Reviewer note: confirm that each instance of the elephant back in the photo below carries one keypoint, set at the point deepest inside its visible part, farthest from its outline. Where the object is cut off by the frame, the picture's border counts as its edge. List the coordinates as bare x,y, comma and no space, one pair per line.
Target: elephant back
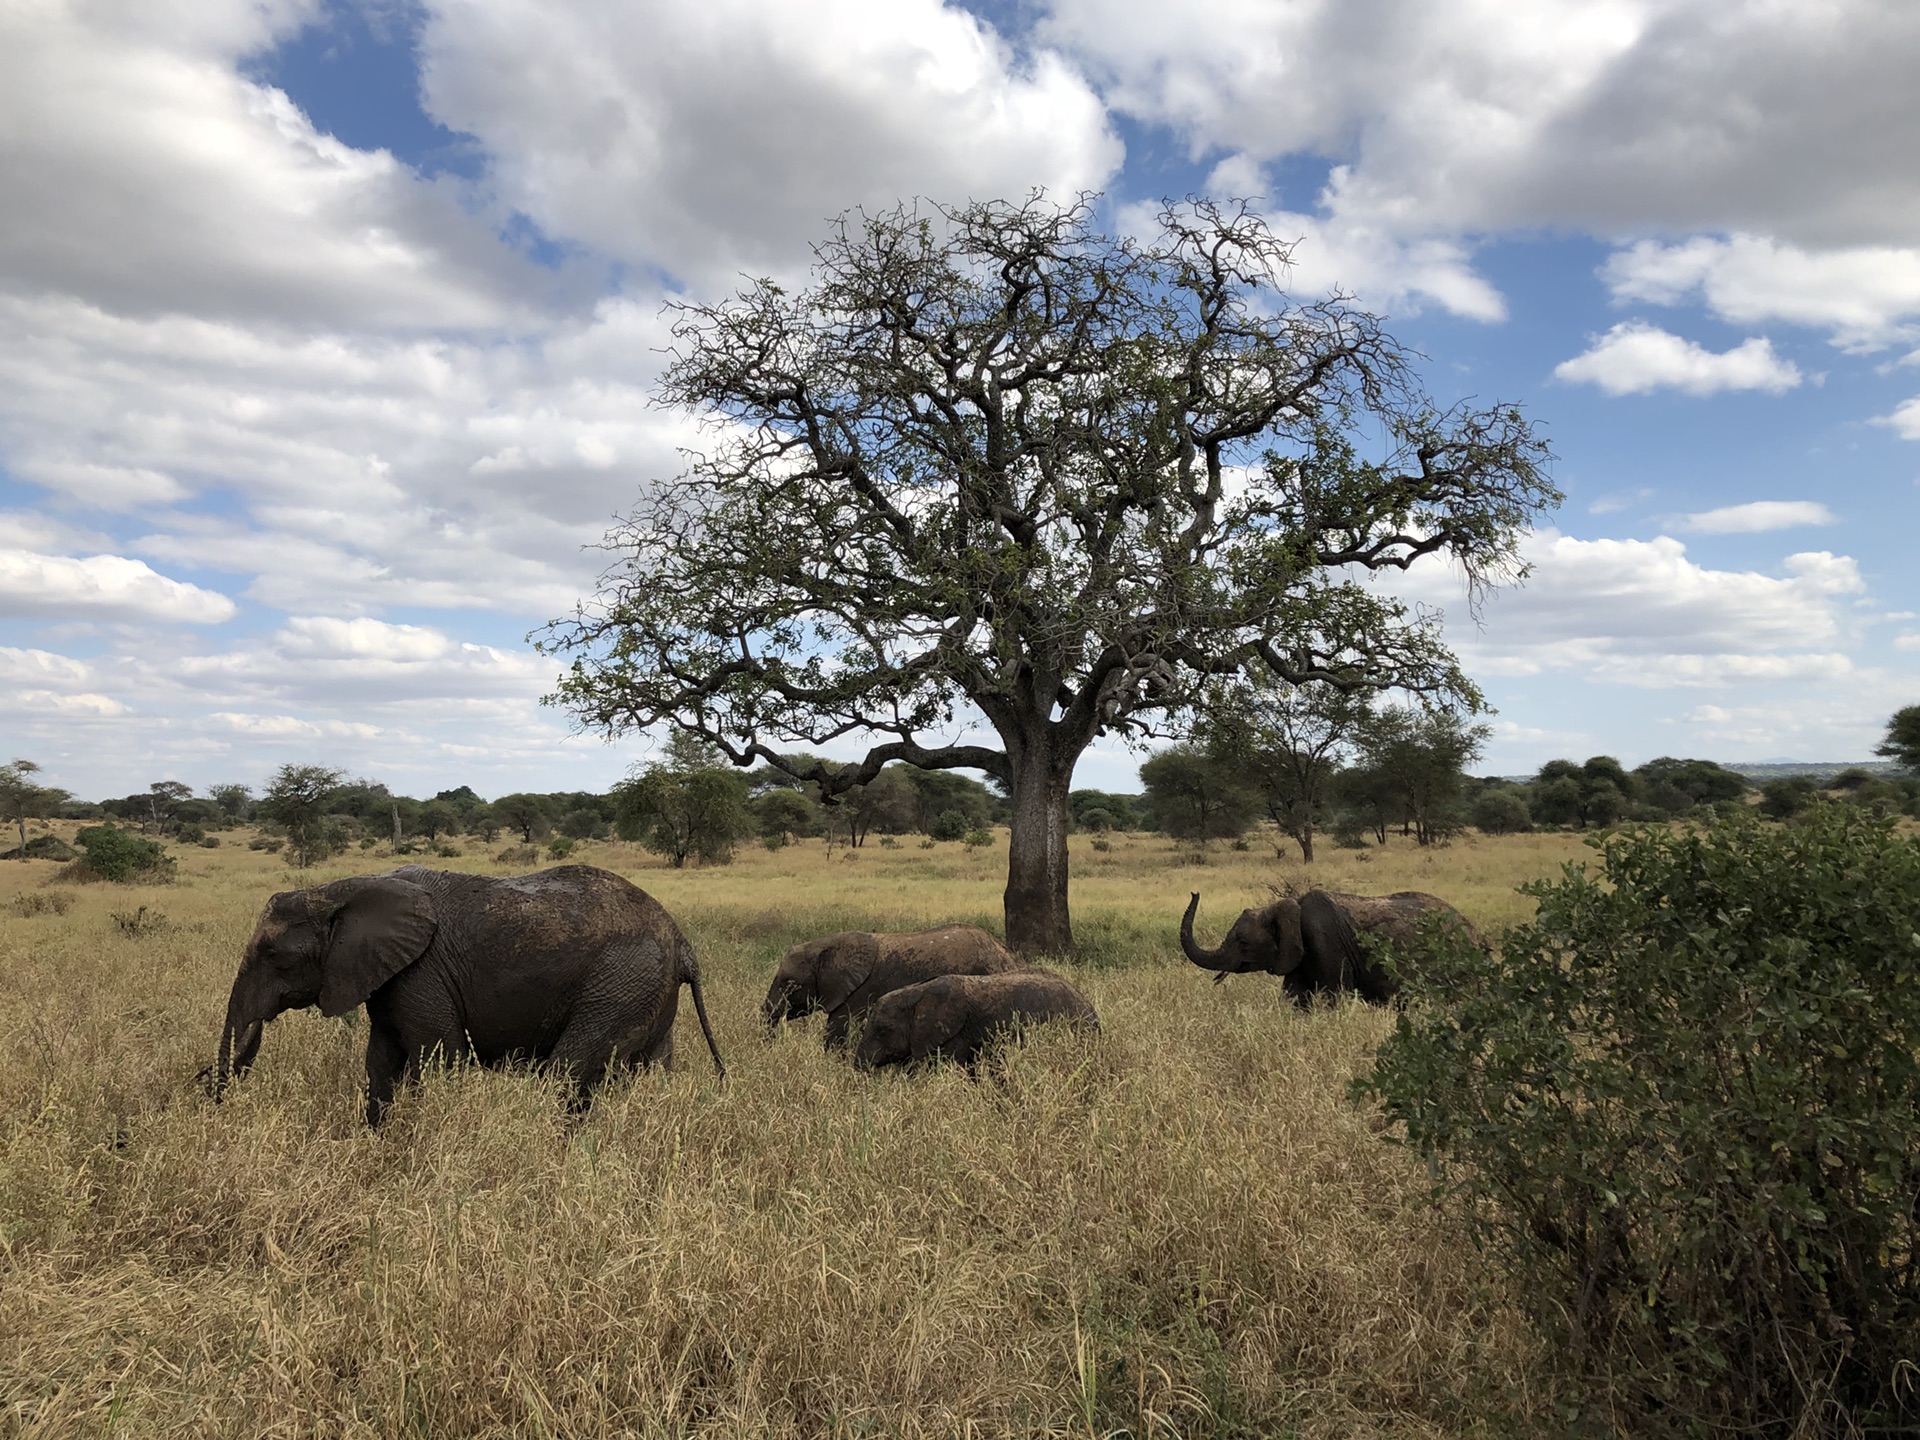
909,959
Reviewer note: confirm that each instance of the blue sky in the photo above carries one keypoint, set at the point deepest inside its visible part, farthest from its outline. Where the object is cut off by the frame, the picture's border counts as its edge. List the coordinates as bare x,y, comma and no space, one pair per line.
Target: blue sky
329,327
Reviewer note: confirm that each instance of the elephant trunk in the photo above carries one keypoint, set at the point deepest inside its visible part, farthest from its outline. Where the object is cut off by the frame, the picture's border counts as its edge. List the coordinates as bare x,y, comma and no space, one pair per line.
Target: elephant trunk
239,1038
1213,960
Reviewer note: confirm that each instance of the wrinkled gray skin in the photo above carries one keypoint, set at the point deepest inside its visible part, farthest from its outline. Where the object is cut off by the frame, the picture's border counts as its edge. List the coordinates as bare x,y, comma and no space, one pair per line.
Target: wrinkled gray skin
845,974
1313,943
571,967
1398,917
956,1016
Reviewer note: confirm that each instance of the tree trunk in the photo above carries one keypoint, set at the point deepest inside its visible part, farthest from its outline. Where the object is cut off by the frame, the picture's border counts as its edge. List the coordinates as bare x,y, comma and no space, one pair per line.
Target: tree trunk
1036,899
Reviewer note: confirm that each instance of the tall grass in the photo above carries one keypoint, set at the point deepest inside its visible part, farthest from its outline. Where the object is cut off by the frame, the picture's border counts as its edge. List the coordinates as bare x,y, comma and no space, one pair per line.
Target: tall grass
1183,1227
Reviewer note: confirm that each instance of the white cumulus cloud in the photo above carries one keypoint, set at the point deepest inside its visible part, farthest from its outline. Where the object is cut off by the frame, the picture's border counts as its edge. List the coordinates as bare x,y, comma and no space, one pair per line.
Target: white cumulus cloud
102,587
1633,358
1865,296
1759,515
707,137
1643,613
1906,419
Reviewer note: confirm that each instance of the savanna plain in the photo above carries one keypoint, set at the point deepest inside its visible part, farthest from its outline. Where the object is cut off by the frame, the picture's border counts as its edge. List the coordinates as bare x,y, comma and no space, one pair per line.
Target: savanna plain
1184,1226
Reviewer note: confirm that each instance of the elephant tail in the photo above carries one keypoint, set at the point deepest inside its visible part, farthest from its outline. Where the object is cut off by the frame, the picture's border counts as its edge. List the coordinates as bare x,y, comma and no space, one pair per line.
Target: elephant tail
690,972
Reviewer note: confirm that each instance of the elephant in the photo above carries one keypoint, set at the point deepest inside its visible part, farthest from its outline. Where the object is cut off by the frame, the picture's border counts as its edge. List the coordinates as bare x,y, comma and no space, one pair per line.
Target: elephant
955,1017
572,967
844,974
1398,917
1313,943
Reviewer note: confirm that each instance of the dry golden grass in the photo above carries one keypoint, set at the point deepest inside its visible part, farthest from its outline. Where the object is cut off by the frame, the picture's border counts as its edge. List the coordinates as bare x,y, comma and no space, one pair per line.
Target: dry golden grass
1182,1228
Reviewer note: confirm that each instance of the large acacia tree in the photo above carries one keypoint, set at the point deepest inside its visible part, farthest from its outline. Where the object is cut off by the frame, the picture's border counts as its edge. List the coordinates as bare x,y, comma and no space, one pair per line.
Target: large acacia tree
993,465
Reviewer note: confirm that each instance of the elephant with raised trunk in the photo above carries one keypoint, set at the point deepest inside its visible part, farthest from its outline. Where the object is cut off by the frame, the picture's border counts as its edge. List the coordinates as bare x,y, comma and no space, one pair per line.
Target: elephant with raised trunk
1314,943
957,1016
571,967
846,973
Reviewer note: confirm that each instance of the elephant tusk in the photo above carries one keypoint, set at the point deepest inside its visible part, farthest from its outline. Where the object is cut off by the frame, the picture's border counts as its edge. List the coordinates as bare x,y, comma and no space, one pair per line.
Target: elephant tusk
1221,976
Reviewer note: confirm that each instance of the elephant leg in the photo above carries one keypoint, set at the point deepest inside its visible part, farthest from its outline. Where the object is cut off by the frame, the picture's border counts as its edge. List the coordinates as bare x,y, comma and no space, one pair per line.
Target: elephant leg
386,1064
839,1022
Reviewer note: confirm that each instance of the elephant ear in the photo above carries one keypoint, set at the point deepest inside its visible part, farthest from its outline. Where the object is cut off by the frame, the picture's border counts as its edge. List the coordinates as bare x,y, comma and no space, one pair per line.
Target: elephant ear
1328,935
380,926
938,1017
1283,918
844,967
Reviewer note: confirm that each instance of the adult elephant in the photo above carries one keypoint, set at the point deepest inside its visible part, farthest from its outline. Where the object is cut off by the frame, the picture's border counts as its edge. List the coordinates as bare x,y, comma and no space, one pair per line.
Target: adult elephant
846,973
571,967
1315,943
955,1017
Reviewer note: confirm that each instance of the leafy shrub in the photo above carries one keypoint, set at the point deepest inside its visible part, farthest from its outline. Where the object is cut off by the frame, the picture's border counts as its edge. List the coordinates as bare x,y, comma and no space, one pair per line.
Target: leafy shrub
42,847
190,834
977,839
41,902
113,854
1783,799
209,842
1348,834
950,825
448,852
1500,812
518,855
1683,1107
562,846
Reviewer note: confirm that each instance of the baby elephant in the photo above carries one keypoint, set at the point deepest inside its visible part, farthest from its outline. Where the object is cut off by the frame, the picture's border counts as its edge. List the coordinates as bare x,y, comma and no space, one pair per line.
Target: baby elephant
957,1016
845,974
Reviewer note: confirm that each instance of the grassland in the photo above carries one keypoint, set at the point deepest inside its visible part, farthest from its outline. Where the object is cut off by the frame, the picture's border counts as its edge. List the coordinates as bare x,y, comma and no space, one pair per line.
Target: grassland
1182,1228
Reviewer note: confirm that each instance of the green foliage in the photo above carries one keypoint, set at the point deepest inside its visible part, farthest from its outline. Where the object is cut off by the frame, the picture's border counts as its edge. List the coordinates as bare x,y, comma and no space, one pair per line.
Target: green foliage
1683,1107
523,812
1419,758
1902,742
1500,810
952,825
436,818
1671,787
685,807
21,799
561,846
1194,793
1121,812
781,814
235,801
1285,742
977,839
297,798
113,854
1786,797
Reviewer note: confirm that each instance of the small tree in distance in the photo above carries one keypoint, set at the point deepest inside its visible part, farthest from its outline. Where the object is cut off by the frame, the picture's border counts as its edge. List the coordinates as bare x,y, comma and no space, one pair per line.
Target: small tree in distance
21,799
1902,742
296,797
1286,742
1192,793
1421,755
993,458
690,806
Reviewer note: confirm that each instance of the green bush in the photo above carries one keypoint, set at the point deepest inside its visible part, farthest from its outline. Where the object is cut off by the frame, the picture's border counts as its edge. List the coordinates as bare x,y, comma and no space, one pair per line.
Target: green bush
1500,812
113,854
1683,1107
